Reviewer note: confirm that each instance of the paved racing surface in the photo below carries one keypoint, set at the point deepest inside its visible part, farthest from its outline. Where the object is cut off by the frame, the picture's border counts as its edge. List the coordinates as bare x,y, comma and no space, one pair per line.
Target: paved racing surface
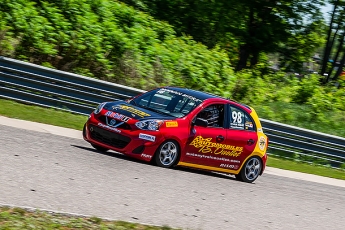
65,174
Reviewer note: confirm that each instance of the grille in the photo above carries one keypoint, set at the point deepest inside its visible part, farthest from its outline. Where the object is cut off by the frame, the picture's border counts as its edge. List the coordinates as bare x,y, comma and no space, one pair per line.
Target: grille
108,137
125,126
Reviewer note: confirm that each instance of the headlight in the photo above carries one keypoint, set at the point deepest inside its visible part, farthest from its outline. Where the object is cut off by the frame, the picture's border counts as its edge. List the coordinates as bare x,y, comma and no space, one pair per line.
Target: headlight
99,108
149,124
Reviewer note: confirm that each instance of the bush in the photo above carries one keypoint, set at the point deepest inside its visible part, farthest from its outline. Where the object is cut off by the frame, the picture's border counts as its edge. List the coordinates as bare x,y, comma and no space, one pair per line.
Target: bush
306,88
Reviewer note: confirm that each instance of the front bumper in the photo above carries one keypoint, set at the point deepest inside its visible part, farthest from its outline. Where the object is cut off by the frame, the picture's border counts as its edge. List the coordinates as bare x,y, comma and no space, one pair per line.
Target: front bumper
120,140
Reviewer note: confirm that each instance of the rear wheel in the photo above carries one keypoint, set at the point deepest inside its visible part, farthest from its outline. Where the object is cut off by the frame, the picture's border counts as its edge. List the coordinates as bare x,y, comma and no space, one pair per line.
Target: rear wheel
167,154
99,148
251,170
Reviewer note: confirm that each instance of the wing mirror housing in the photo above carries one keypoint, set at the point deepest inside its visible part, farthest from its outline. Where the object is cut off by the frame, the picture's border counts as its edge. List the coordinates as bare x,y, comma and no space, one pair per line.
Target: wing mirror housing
201,122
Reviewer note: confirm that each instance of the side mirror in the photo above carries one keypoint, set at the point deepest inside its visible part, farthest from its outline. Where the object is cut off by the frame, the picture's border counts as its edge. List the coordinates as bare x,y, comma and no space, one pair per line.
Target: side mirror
201,122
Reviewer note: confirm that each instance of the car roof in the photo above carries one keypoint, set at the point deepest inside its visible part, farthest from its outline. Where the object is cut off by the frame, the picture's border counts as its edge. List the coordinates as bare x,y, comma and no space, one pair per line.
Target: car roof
203,96
195,93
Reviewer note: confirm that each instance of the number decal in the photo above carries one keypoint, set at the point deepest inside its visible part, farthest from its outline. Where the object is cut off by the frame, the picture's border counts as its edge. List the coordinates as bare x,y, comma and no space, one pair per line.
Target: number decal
237,117
234,117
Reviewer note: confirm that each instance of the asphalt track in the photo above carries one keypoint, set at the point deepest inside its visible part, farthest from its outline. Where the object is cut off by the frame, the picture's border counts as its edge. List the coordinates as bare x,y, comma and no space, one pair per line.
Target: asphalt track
52,168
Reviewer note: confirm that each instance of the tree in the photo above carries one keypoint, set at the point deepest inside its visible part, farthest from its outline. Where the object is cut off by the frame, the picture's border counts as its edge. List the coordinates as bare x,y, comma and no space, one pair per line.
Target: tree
247,27
300,48
334,47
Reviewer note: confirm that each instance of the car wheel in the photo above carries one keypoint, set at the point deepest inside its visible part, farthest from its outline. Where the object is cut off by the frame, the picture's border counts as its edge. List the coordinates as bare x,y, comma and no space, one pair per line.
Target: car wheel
251,170
84,131
99,148
238,177
167,154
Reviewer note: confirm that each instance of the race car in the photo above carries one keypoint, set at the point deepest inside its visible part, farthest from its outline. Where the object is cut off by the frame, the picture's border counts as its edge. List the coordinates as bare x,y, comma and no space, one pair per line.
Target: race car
172,126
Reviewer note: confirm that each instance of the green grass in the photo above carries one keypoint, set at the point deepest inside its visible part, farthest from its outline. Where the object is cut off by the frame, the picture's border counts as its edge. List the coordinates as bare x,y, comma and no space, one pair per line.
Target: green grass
43,115
17,218
305,168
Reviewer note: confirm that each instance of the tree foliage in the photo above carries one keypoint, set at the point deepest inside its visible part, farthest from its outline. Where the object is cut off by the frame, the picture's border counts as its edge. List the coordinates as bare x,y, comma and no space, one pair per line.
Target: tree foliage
199,49
334,55
244,28
110,40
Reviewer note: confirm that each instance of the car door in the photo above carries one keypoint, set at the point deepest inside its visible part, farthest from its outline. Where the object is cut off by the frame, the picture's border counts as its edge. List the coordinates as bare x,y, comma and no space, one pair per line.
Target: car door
203,141
241,138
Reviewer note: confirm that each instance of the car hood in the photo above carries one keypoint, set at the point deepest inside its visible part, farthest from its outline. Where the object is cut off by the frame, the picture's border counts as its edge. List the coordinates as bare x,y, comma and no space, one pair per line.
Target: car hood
135,112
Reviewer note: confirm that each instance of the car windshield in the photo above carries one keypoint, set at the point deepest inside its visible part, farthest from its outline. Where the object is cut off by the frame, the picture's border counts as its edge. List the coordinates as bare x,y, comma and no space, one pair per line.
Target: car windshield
168,102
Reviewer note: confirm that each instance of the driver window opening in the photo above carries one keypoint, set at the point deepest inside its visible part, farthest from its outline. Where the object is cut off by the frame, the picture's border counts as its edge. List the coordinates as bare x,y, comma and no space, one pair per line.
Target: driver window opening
214,114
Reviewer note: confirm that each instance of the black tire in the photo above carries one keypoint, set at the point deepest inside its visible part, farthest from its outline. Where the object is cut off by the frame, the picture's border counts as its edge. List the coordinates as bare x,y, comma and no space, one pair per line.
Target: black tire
250,170
84,131
99,148
167,154
238,177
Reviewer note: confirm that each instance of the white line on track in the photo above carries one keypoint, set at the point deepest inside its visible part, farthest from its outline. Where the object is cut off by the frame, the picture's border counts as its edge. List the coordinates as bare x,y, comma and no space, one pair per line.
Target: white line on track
55,130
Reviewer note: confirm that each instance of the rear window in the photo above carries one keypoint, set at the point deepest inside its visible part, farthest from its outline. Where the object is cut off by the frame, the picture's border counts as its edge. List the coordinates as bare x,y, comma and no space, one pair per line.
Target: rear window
240,120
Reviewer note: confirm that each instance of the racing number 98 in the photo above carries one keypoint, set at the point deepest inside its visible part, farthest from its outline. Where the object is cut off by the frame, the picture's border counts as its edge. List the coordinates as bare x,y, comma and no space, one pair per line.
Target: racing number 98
236,117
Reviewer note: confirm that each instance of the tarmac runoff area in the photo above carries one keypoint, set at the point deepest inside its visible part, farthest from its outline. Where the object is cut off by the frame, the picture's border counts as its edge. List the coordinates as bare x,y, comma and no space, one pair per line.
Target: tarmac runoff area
71,133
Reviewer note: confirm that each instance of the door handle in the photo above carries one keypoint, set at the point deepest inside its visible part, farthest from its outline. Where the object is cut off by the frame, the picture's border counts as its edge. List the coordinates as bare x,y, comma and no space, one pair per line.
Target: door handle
219,138
250,142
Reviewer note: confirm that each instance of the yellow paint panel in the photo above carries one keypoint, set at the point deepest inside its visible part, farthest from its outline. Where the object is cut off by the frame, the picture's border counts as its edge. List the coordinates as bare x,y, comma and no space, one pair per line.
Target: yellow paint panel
171,124
208,168
261,145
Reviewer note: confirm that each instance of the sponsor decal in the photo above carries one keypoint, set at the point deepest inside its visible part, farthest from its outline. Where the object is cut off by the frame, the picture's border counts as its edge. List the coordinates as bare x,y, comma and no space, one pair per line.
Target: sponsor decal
213,158
179,93
205,145
171,124
143,155
131,110
262,143
147,137
228,166
117,116
260,130
109,128
249,125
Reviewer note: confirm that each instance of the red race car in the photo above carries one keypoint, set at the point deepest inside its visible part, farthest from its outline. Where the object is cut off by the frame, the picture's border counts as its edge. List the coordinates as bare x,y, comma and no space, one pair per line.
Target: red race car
176,126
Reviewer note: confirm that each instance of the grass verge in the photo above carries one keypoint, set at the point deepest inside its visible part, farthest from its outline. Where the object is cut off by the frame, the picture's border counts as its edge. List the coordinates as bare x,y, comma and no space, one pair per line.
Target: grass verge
69,120
305,168
18,218
49,116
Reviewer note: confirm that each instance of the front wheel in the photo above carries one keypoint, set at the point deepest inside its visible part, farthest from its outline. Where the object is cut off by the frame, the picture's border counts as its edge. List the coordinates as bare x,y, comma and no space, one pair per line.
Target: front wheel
167,154
251,170
84,131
